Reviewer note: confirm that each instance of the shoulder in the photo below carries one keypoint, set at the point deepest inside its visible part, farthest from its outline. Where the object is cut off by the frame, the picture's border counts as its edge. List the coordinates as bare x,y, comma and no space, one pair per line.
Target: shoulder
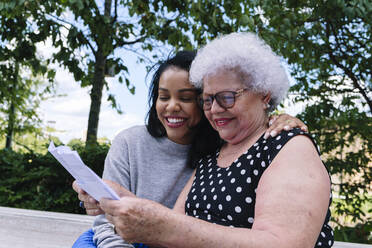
132,133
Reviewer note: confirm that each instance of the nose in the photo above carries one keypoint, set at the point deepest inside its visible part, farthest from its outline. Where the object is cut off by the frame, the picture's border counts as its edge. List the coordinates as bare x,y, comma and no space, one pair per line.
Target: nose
173,106
216,108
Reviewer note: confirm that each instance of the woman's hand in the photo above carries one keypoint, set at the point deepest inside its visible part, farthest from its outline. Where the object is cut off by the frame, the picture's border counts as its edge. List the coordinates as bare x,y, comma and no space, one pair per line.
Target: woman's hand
277,123
89,203
135,219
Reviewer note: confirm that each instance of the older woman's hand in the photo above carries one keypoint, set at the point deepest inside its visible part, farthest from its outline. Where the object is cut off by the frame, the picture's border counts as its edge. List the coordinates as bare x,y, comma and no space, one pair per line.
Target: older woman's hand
90,204
135,219
277,123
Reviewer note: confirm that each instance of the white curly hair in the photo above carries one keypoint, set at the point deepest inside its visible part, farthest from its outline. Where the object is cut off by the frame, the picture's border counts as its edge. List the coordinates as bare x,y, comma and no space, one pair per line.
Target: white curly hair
251,56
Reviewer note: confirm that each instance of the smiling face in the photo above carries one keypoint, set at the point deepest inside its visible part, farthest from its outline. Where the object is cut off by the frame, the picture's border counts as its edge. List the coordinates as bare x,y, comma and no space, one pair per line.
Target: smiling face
246,118
177,106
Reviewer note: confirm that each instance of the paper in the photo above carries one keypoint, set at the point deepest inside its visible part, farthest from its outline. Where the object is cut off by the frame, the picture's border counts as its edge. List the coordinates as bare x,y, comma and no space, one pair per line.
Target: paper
85,177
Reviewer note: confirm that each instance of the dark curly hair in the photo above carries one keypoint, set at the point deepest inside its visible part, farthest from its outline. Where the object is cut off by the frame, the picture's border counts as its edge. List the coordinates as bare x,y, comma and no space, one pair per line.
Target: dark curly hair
206,139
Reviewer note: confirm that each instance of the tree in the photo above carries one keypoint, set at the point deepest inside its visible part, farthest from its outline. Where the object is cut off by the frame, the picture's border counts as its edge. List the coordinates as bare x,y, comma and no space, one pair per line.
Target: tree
89,33
22,73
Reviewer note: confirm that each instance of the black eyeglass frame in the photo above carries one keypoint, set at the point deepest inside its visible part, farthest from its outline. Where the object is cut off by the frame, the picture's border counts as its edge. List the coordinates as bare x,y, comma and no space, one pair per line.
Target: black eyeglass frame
220,100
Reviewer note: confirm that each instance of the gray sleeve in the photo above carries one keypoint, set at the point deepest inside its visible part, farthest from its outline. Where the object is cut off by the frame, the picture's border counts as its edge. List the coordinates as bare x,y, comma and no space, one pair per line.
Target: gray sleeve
104,235
116,169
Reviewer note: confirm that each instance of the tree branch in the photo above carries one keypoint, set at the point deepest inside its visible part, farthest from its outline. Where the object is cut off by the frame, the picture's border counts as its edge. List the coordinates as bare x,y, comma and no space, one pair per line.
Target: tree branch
347,71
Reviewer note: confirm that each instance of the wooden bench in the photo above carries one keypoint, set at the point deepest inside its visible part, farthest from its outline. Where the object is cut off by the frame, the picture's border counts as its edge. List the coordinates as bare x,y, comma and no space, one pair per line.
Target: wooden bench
23,228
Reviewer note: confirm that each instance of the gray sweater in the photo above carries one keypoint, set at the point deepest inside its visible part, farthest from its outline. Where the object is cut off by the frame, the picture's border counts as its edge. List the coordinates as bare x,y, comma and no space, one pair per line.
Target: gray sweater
151,168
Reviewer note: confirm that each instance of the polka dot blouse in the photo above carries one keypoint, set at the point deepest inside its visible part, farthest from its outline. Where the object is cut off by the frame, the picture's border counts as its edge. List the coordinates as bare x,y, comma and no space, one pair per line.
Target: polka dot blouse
227,196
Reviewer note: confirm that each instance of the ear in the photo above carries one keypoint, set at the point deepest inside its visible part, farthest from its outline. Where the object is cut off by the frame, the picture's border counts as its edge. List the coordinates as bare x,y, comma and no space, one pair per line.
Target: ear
266,98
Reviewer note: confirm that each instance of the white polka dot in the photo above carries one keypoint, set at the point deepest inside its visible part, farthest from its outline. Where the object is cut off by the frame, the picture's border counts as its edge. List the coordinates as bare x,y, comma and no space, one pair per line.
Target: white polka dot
210,176
197,205
239,189
319,243
329,242
223,188
219,182
263,164
219,168
220,206
323,234
209,164
201,171
232,180
213,189
229,217
211,183
278,147
202,176
228,174
255,172
210,170
208,216
193,190
202,190
252,161
249,156
194,212
204,197
265,148
194,198
278,138
208,206
215,197
249,180
209,160
201,184
257,148
242,172
228,198
250,220
256,144
188,205
238,209
258,155
290,134
238,164
248,200
219,174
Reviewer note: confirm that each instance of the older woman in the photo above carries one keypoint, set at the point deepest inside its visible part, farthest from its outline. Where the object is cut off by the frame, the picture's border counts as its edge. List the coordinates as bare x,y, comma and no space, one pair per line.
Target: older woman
275,191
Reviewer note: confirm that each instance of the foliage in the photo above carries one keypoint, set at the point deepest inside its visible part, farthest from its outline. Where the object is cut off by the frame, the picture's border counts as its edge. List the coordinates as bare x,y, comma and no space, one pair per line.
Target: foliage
22,75
38,181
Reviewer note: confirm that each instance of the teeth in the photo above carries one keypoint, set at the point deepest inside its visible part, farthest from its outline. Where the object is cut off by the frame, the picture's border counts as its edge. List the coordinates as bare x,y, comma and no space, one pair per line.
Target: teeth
175,120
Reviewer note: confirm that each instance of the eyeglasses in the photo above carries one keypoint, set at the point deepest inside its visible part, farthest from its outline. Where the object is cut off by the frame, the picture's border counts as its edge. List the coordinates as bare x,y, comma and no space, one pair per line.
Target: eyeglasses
226,99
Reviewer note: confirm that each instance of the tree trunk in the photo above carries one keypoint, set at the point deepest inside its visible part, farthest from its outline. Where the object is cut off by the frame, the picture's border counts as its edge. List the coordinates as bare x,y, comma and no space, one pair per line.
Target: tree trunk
98,82
96,97
10,128
11,113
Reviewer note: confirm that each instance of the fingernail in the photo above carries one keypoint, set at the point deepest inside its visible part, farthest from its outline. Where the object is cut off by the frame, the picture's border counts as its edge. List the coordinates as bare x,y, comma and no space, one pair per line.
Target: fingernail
273,133
286,128
266,136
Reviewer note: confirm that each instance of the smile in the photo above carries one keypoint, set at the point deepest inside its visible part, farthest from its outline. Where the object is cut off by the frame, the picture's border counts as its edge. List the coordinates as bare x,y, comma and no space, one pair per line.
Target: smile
220,122
175,121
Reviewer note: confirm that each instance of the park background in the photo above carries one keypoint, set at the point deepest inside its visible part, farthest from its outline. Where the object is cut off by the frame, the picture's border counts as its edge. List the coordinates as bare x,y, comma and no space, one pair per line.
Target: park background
74,71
